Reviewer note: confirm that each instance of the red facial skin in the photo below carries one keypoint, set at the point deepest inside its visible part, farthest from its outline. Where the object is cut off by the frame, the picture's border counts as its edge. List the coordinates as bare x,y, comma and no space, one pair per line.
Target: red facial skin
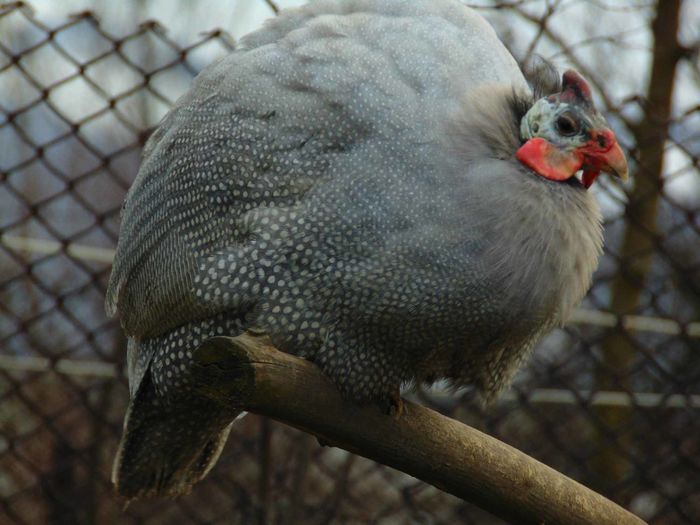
547,160
600,153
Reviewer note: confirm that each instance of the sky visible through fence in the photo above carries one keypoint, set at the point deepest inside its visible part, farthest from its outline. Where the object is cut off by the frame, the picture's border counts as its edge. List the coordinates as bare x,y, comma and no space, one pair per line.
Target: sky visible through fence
612,400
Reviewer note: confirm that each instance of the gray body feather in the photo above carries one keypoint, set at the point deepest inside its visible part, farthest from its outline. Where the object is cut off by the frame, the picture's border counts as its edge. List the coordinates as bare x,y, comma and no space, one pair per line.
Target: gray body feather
344,181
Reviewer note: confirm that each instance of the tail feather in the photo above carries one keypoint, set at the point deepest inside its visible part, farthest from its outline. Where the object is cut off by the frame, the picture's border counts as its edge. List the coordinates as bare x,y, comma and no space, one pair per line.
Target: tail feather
165,449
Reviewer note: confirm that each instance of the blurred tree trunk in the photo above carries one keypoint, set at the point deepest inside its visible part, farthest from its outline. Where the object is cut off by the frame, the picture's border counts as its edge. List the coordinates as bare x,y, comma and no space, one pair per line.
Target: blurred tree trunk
62,488
303,460
103,406
265,479
639,244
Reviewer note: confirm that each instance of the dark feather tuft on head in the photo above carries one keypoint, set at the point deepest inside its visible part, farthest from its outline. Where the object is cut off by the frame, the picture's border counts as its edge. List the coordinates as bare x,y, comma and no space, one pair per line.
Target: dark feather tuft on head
543,77
520,103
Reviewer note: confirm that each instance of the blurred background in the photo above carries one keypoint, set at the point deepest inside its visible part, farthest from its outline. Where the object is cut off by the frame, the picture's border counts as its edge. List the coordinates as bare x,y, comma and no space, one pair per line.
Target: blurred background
612,400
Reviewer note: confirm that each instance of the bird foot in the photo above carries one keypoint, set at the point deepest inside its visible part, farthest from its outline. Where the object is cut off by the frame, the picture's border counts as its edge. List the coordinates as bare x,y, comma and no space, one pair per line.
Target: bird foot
393,406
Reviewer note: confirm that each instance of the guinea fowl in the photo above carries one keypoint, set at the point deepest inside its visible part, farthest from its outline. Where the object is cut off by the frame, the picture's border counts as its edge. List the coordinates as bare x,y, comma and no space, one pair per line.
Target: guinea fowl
375,186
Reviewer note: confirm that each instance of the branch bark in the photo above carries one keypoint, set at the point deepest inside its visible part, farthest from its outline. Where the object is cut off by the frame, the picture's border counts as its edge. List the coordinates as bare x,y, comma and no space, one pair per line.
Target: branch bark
246,372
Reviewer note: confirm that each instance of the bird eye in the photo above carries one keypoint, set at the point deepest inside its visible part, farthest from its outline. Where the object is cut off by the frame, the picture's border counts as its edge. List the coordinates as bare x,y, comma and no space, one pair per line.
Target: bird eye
567,125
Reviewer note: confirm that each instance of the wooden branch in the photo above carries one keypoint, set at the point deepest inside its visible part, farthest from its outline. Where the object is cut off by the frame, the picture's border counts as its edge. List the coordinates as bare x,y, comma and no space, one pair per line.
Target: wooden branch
248,373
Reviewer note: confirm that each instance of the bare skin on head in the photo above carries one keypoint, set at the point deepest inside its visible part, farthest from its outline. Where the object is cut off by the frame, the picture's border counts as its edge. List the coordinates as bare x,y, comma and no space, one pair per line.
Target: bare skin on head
564,133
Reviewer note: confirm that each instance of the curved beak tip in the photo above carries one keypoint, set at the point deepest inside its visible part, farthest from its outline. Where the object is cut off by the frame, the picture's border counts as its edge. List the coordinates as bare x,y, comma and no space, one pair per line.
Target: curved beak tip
615,162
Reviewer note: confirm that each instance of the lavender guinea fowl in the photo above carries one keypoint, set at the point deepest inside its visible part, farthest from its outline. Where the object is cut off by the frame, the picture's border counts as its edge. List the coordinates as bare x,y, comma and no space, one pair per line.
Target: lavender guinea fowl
375,186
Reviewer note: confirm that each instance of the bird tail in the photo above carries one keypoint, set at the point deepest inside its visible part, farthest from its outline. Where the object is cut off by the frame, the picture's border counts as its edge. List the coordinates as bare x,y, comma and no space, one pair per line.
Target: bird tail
165,449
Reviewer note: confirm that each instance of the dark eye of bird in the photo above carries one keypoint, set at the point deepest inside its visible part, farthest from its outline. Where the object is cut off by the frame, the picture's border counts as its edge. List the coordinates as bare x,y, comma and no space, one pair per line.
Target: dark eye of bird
567,125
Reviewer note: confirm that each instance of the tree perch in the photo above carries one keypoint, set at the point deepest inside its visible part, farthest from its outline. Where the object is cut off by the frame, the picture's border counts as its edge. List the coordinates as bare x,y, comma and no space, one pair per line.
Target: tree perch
248,373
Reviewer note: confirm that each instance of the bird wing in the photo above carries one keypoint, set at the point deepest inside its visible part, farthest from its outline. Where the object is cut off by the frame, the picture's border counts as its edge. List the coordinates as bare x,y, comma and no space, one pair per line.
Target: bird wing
318,105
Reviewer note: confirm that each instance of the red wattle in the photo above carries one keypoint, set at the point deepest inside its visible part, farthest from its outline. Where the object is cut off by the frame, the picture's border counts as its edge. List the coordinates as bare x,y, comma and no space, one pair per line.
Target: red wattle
547,160
589,177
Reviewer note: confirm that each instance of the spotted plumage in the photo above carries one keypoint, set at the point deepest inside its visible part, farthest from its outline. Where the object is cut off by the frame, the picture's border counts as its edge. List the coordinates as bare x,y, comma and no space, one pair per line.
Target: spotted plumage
345,182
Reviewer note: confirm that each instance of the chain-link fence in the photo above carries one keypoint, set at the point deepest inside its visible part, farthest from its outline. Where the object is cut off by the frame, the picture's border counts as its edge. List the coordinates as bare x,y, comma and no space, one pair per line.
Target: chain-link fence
613,400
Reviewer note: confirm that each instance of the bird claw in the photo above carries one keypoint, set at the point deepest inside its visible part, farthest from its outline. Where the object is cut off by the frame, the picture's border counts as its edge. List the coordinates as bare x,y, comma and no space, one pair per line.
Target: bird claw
394,405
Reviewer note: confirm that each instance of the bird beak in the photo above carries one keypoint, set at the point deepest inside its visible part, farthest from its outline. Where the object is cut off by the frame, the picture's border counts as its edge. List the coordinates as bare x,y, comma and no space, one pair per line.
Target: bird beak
610,159
614,162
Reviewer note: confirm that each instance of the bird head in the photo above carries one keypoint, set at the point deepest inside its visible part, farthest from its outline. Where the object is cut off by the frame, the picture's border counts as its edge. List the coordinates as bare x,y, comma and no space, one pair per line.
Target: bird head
564,133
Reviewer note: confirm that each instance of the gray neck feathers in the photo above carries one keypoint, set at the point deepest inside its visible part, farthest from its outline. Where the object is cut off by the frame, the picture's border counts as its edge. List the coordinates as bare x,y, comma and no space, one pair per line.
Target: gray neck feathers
541,239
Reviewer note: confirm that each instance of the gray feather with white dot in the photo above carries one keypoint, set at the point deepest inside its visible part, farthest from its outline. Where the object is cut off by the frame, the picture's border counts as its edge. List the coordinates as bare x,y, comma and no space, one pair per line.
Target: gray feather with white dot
313,184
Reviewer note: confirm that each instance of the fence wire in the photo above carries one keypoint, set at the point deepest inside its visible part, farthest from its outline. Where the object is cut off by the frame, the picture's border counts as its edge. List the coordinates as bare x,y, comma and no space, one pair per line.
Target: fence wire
612,400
